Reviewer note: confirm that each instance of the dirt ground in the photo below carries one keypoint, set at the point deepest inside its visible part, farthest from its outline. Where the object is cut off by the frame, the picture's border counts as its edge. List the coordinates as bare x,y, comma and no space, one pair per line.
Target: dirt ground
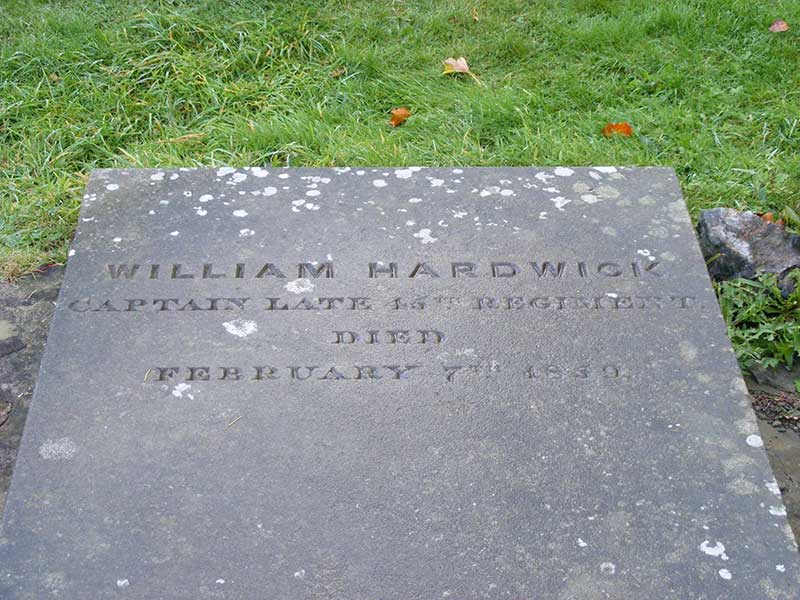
26,308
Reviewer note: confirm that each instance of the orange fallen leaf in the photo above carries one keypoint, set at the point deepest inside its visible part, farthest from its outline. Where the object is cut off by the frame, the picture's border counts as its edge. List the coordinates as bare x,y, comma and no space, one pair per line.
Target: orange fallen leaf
779,26
769,217
624,129
399,116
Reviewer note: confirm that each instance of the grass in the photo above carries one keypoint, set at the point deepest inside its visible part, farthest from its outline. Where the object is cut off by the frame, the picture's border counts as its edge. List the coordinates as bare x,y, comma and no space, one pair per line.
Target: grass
707,88
762,324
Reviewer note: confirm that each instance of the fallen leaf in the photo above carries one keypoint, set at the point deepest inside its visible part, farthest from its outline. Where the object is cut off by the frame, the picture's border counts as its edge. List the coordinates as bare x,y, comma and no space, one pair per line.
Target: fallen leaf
623,128
453,66
474,13
399,116
768,217
338,72
779,26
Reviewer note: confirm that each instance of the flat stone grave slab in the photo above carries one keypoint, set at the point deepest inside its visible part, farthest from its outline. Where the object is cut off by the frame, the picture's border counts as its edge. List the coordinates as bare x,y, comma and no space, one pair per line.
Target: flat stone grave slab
391,383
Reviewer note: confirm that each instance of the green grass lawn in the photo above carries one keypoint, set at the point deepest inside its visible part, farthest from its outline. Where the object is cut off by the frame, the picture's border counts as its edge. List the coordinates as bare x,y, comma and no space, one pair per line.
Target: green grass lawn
708,90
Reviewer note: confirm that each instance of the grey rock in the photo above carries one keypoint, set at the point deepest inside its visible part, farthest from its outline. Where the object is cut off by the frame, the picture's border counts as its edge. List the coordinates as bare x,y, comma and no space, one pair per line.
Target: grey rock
742,244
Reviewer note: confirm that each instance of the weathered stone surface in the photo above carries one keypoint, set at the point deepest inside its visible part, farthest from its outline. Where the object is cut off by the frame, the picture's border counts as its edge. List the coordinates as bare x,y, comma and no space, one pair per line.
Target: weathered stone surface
542,402
742,244
25,311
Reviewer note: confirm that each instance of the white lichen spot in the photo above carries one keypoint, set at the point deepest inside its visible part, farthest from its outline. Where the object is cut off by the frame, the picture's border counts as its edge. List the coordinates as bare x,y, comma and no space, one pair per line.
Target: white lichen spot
725,574
543,215
240,327
754,441
772,486
179,390
117,240
780,568
238,177
563,171
299,286
590,198
240,213
259,172
246,232
777,511
608,568
581,543
71,253
157,176
187,193
223,171
403,173
424,235
379,183
311,206
495,189
606,169
300,574
60,449
717,550
270,191
220,581
436,182
458,171
206,197
174,233
112,186
123,583
174,176
283,176
313,193
202,212
560,202
414,200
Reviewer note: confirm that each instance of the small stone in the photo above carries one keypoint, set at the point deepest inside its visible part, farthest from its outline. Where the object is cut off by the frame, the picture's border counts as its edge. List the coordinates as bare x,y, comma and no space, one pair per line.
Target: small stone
742,244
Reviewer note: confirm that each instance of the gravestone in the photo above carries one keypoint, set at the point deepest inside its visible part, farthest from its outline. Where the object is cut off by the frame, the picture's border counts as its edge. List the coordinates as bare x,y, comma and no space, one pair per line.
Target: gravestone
391,383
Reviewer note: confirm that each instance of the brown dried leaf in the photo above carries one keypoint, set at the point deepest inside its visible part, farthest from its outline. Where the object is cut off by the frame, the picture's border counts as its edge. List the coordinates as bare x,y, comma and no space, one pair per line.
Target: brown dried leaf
338,72
399,116
475,13
779,26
